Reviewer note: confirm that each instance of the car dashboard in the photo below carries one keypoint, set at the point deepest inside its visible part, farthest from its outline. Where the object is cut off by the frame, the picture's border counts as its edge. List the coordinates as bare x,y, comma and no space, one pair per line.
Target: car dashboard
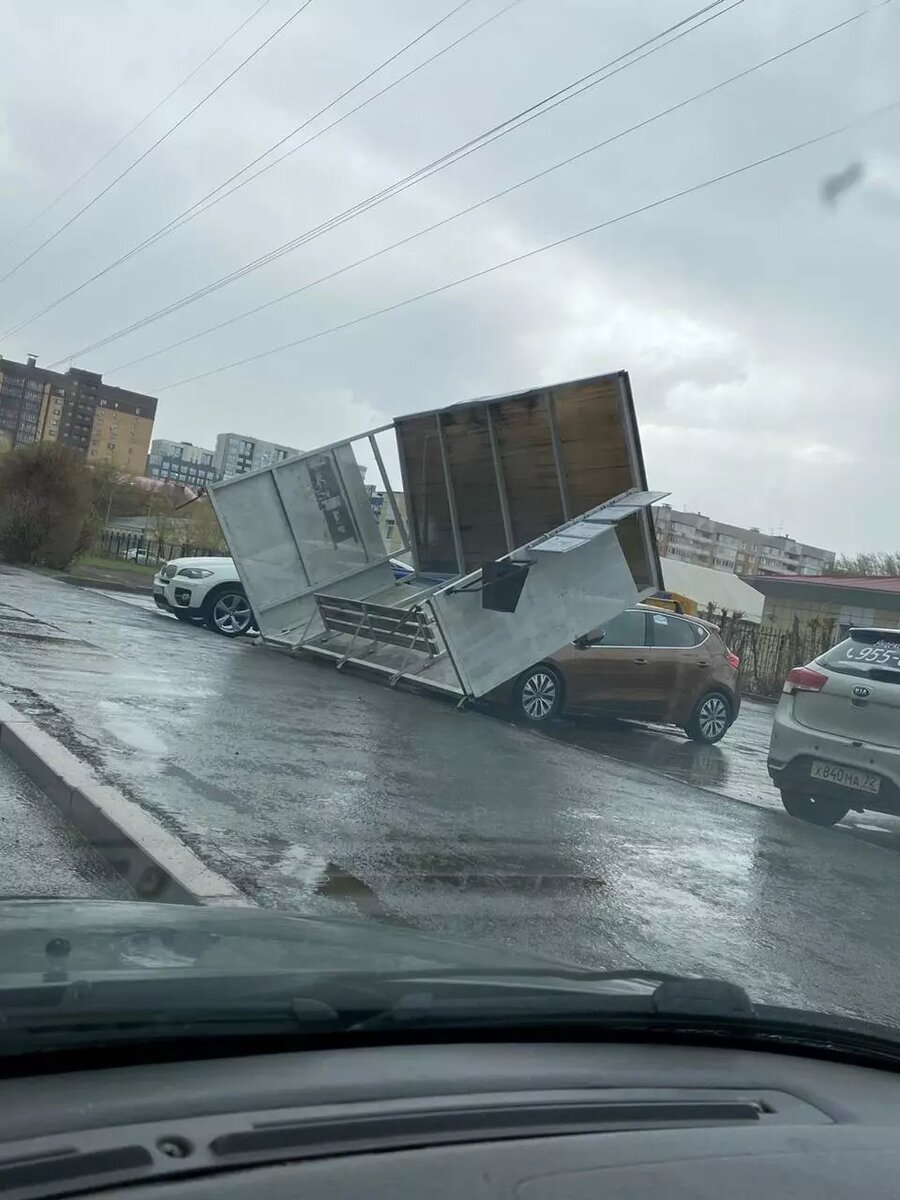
533,1120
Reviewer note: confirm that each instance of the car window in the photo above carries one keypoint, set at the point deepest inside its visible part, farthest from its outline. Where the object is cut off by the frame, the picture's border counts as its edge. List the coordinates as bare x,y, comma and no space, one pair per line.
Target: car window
879,660
627,629
670,631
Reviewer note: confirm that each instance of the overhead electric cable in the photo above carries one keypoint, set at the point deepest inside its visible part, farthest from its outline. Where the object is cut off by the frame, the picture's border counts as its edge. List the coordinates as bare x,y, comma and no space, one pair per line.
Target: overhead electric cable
673,108
508,262
159,141
207,201
531,113
134,128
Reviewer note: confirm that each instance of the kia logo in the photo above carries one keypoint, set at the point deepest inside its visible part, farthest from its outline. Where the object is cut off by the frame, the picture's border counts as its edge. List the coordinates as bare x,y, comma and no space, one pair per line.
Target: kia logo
861,692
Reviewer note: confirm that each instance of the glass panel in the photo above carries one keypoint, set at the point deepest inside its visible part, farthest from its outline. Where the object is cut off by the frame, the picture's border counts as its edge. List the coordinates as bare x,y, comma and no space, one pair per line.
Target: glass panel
859,658
669,631
627,629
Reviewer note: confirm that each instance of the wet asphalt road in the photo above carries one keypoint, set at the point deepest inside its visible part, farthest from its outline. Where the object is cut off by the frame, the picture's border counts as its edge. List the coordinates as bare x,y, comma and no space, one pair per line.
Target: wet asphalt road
327,792
40,855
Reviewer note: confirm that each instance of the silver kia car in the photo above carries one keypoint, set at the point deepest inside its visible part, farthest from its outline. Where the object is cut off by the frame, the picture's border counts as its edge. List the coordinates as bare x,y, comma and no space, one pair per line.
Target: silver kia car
836,739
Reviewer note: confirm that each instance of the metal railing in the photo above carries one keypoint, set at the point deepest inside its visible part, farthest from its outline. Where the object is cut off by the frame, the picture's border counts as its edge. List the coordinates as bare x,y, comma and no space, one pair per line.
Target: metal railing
768,654
149,550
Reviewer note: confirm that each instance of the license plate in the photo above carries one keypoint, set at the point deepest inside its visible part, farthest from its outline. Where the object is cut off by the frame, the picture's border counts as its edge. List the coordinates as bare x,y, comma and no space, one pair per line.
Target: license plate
860,781
159,591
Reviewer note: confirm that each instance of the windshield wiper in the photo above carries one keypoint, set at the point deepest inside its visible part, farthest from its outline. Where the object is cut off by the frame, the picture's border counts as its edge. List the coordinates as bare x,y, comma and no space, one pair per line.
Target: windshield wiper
354,1007
443,999
679,1008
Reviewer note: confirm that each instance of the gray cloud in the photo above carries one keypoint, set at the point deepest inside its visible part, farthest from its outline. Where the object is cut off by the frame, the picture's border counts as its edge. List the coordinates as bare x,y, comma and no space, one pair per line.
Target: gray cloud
758,325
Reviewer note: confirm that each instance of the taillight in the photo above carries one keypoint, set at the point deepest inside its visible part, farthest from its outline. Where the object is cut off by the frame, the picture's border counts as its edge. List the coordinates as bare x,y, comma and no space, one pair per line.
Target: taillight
804,679
733,661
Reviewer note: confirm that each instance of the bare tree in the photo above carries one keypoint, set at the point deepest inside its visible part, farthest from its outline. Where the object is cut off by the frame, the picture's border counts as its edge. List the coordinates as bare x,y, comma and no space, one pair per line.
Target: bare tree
884,562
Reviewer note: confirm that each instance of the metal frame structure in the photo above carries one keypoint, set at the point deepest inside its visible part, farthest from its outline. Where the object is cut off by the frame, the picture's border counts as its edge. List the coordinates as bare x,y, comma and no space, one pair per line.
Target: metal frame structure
276,472
578,534
330,596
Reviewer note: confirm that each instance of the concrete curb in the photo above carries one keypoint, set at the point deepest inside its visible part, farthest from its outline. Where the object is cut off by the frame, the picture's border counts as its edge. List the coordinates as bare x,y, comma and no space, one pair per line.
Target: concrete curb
151,859
106,585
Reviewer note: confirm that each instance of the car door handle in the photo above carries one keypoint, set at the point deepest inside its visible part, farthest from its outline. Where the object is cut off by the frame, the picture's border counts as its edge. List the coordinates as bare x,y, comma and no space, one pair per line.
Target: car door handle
702,662
640,660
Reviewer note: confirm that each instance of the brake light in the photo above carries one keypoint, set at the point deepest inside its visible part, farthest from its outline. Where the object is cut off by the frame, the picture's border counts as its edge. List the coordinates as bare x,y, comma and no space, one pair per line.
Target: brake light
804,679
733,661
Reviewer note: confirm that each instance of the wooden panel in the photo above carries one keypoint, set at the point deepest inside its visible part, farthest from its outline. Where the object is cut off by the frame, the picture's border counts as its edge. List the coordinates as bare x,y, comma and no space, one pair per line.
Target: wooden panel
526,451
468,443
428,513
594,451
593,441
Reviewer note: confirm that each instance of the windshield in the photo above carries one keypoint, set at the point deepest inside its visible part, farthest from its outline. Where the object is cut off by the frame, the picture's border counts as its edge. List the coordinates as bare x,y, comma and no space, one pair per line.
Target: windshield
445,459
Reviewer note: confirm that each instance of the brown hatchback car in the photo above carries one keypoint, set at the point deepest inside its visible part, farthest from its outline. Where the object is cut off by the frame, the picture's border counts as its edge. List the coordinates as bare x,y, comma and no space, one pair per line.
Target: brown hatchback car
645,663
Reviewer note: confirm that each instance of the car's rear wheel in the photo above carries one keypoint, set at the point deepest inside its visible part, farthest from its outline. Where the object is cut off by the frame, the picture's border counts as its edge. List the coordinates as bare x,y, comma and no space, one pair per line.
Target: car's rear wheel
227,611
538,694
710,719
817,810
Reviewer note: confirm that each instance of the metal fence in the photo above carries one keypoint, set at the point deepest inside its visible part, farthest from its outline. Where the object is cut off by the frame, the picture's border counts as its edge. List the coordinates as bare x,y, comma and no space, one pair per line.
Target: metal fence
141,548
768,654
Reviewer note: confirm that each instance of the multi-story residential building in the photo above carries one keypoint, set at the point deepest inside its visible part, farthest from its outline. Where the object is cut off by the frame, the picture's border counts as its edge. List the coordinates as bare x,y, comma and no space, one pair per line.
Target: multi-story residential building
695,538
236,454
106,424
181,462
387,521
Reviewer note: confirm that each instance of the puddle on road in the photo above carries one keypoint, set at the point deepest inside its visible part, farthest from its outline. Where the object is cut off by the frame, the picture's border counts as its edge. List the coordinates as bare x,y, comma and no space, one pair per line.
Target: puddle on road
133,734
337,884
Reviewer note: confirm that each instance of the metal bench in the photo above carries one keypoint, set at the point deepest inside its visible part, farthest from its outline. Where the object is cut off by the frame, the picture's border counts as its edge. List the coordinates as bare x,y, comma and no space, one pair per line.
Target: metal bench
412,629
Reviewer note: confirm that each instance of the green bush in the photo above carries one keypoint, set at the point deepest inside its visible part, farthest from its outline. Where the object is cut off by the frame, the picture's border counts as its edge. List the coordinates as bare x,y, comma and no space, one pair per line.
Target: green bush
46,517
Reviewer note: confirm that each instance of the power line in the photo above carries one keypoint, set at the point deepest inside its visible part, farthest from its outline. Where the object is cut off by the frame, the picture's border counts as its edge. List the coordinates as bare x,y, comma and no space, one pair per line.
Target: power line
159,141
592,79
634,212
144,119
504,191
201,205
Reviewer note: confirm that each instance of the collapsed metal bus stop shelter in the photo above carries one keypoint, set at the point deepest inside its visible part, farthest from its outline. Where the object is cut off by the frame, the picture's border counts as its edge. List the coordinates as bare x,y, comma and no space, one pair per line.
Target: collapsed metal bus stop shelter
527,521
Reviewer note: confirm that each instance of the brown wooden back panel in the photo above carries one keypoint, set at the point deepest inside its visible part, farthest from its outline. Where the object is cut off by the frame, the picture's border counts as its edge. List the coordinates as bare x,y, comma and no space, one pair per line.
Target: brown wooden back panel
594,453
428,513
468,443
593,440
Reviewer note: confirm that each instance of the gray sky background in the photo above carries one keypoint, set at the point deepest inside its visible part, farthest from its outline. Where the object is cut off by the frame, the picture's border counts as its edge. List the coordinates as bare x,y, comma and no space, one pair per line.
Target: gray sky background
758,324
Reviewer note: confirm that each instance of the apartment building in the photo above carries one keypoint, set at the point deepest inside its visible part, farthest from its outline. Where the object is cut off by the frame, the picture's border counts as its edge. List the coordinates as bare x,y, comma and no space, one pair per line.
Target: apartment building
698,539
236,454
181,462
77,409
387,521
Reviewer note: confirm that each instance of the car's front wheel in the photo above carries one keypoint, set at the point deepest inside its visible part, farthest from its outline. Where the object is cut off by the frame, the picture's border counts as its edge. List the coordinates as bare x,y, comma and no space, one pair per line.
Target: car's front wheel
817,810
538,694
710,719
227,611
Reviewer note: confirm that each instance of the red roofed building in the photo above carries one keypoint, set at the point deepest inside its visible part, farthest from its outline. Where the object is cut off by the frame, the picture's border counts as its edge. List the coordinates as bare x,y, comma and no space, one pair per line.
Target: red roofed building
804,602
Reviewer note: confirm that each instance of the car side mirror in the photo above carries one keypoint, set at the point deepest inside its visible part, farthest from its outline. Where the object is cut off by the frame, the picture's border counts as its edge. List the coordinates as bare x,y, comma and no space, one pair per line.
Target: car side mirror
586,641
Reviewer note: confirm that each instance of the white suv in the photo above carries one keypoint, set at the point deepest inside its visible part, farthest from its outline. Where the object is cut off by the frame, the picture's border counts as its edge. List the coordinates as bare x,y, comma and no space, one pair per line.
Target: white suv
207,590
836,738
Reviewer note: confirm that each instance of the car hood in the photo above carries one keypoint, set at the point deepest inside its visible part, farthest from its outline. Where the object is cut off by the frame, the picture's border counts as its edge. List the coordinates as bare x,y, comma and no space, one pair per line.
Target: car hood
96,938
206,561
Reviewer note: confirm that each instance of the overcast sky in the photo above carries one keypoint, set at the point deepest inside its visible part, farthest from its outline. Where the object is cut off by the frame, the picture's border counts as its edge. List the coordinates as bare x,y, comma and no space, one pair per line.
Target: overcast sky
759,324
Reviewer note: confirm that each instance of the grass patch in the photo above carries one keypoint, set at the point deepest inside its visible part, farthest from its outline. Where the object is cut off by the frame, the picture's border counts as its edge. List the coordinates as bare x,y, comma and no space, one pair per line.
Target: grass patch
117,566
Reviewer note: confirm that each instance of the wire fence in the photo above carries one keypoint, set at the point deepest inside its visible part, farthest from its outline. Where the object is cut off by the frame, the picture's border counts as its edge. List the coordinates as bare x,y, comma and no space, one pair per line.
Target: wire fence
139,548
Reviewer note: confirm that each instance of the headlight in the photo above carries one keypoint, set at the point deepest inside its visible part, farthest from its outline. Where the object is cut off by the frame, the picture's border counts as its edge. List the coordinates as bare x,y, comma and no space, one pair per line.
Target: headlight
194,572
